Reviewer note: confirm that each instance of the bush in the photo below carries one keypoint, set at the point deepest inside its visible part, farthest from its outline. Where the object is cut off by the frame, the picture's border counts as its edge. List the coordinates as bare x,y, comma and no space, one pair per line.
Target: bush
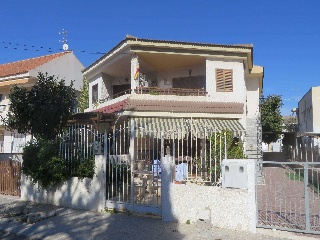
43,163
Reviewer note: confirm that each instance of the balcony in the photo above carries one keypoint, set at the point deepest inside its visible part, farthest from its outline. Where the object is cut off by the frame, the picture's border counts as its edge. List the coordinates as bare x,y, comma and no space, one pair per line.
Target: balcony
162,91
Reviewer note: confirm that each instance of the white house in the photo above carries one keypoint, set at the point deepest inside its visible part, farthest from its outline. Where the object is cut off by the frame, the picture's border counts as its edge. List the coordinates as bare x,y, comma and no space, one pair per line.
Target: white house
64,65
168,101
170,79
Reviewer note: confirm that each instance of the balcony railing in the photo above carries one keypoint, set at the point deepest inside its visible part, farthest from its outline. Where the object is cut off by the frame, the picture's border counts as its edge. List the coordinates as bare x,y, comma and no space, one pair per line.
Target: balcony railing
160,91
171,91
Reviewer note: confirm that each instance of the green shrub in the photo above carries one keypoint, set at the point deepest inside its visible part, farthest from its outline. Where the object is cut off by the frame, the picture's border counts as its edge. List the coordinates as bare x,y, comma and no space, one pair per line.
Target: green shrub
43,163
86,168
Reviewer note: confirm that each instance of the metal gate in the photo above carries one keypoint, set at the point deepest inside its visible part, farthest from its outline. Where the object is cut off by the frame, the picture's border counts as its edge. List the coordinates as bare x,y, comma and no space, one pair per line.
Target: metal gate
133,154
133,180
288,196
10,177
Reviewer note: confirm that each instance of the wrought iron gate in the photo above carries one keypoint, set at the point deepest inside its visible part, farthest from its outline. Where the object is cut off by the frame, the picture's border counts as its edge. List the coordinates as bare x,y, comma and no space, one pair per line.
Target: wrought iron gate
288,196
133,180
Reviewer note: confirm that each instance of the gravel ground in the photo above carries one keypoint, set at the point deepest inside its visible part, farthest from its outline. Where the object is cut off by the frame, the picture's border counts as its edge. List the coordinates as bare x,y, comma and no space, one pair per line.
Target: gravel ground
26,220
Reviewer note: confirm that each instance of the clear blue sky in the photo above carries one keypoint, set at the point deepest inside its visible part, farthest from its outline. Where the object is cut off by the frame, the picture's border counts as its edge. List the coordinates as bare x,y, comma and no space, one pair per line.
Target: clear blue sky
285,33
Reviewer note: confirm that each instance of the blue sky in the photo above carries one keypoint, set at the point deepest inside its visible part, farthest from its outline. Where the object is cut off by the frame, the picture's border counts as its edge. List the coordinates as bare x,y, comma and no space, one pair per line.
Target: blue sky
285,34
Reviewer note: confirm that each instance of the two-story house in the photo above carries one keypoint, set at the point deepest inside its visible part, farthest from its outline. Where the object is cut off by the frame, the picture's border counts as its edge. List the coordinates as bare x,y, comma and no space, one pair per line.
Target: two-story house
172,98
64,65
216,84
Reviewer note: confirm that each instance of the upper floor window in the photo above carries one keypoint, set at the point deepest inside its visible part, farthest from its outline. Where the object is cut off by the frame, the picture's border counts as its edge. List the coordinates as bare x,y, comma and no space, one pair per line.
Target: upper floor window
95,93
192,82
224,80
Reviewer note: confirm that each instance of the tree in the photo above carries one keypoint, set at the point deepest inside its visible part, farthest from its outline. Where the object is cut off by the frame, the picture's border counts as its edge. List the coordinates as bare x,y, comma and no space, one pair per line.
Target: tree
42,111
271,119
84,96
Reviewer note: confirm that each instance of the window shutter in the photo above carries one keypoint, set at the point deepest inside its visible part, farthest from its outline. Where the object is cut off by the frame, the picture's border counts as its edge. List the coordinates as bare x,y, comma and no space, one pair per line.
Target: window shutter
224,81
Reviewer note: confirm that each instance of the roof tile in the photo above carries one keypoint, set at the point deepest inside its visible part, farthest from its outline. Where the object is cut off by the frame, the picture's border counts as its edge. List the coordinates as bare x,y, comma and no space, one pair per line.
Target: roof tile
24,66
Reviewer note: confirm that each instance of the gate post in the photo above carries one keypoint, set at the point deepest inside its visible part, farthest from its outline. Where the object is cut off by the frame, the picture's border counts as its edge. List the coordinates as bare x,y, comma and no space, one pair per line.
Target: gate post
166,181
306,196
132,155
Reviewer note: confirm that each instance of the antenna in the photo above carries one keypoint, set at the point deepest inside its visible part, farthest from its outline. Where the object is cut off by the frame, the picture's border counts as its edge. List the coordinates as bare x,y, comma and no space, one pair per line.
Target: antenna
64,39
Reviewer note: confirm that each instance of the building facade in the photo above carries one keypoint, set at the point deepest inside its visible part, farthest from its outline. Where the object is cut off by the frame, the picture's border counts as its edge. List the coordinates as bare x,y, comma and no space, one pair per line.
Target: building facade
63,65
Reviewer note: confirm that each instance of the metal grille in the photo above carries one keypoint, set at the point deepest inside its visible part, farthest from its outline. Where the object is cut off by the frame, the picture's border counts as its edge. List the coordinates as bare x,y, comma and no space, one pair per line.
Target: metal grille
78,143
134,154
288,198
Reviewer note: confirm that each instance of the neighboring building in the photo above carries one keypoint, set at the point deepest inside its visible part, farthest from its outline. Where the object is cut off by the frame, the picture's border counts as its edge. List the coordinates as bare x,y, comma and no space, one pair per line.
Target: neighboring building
64,65
309,111
168,80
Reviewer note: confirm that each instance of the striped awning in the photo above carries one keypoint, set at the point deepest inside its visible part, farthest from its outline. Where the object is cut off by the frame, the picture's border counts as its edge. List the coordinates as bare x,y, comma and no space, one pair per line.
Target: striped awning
176,127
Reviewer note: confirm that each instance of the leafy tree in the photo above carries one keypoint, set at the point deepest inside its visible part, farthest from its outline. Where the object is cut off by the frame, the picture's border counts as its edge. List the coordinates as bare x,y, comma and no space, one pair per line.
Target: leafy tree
271,119
43,110
84,96
235,150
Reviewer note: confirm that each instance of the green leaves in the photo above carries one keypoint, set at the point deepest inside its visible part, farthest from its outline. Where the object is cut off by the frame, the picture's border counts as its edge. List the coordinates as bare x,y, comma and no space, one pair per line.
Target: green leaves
42,111
271,119
84,96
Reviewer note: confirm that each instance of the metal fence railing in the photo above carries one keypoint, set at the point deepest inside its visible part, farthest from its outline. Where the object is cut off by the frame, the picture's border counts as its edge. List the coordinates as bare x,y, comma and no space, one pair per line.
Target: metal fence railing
288,197
78,143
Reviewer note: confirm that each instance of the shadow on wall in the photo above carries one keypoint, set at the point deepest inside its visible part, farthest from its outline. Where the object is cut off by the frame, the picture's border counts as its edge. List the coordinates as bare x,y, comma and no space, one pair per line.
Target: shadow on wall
90,194
75,193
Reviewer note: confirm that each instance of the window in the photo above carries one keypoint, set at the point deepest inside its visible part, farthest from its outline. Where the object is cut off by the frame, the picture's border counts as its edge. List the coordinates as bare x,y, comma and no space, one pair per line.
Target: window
95,93
192,82
224,80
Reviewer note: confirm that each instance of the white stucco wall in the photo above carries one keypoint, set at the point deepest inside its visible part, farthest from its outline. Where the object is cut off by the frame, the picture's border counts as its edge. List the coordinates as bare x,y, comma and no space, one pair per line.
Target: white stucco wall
315,111
252,103
239,87
224,207
66,67
87,194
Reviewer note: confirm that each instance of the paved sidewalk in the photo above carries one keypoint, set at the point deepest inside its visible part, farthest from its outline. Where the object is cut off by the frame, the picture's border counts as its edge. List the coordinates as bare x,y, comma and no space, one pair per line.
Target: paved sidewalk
25,220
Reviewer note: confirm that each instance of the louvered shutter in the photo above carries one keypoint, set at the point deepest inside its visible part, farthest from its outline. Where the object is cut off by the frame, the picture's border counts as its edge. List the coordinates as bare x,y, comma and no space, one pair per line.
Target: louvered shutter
224,81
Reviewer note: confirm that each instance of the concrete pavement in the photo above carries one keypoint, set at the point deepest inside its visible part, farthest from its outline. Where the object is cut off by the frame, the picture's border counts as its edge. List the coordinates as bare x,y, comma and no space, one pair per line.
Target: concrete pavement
27,220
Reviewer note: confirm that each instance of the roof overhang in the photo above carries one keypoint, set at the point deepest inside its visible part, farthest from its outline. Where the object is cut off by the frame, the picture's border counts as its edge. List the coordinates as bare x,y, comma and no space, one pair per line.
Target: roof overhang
257,72
23,81
161,54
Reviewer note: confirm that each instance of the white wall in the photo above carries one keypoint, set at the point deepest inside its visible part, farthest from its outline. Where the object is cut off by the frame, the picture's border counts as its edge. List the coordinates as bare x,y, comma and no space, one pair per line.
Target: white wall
239,87
67,67
252,97
224,207
315,111
87,194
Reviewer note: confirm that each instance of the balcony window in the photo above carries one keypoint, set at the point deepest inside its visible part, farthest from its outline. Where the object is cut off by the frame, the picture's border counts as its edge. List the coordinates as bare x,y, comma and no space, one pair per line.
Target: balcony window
192,82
